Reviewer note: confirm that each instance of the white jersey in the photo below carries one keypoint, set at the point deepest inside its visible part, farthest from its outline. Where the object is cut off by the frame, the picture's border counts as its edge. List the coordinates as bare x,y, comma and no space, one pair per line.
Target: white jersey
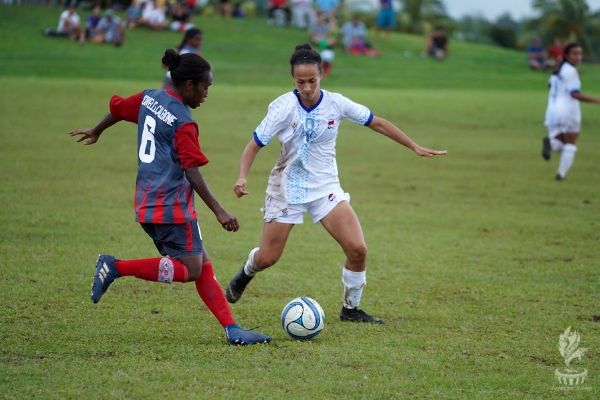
67,16
563,110
307,168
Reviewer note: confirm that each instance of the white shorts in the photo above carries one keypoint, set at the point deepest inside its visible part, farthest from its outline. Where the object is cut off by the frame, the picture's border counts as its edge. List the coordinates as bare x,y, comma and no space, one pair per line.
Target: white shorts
567,125
280,211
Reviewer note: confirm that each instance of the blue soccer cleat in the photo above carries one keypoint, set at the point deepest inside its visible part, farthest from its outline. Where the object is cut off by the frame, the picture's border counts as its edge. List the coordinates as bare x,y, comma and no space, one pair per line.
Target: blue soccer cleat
106,273
237,336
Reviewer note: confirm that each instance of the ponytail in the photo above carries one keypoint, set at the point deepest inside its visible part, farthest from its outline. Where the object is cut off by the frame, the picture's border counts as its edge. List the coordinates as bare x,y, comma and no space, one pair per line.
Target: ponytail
185,67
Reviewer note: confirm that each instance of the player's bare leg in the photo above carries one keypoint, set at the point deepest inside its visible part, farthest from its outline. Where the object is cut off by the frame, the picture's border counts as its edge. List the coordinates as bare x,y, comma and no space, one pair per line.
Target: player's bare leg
274,238
343,225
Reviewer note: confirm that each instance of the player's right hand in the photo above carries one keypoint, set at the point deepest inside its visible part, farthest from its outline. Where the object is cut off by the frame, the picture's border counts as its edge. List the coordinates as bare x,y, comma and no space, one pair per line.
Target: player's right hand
240,187
425,152
228,221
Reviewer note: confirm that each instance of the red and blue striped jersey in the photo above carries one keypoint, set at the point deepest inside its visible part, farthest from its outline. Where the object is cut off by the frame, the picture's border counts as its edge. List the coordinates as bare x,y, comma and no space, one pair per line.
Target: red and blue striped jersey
167,145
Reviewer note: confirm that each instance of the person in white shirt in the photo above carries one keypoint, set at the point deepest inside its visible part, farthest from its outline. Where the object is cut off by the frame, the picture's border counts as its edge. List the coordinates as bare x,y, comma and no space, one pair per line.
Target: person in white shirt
69,23
305,178
563,114
303,14
154,16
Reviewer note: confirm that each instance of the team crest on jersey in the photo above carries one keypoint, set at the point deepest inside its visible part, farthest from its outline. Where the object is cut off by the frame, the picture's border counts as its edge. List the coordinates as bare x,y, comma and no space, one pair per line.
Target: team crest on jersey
294,125
330,124
284,212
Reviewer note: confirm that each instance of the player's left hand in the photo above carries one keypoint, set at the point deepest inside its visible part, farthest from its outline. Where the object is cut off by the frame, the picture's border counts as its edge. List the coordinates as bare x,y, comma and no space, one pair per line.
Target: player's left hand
88,136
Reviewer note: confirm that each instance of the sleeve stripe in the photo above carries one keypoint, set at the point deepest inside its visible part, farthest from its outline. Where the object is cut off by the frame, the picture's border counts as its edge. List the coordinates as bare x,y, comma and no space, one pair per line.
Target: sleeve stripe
257,140
369,120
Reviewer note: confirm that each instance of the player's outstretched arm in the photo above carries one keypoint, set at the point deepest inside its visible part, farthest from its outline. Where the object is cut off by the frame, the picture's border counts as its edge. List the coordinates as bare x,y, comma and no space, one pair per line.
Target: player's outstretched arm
248,156
390,130
91,135
585,98
228,221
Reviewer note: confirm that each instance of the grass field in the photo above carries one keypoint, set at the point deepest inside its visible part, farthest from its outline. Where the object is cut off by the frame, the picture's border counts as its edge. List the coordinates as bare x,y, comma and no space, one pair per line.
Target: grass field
478,261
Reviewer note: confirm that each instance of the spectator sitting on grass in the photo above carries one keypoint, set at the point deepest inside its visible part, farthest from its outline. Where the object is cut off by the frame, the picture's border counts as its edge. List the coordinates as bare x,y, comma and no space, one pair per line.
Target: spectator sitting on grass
91,22
154,16
327,7
134,13
225,8
69,24
322,31
536,55
110,29
278,13
180,16
354,38
303,13
436,44
555,53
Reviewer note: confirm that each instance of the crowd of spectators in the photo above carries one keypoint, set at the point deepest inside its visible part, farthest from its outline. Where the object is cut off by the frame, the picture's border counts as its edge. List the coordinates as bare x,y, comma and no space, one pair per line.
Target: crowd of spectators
105,26
321,19
541,59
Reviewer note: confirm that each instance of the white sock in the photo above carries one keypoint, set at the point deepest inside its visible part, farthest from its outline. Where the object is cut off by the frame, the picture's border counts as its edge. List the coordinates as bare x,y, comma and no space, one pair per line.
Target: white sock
556,144
249,267
354,283
566,159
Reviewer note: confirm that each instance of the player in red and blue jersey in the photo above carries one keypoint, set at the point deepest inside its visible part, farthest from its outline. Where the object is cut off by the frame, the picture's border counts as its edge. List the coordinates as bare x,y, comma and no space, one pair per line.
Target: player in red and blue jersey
169,155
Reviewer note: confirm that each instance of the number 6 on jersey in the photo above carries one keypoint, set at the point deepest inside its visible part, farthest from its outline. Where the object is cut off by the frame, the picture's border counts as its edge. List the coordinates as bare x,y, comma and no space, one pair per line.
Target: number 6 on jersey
147,145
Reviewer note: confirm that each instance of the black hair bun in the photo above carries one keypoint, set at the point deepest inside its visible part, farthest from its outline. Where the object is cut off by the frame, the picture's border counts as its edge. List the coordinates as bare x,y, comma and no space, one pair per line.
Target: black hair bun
171,59
304,46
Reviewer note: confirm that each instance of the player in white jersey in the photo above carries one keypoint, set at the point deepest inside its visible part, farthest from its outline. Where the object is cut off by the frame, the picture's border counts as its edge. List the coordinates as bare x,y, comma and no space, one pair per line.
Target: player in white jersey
305,178
563,115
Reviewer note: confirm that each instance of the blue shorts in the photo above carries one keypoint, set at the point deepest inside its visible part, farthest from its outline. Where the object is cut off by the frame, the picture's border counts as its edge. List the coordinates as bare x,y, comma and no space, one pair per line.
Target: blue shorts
386,18
176,240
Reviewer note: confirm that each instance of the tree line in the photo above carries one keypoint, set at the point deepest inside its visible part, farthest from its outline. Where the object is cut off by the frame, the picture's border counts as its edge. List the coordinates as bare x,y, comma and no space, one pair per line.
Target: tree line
569,20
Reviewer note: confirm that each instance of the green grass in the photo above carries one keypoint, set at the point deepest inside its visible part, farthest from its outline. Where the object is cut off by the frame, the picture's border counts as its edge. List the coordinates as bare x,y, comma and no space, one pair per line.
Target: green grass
477,261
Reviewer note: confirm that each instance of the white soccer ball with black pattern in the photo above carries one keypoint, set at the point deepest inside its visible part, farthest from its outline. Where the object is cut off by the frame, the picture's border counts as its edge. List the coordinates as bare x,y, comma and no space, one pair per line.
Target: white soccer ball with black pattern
302,318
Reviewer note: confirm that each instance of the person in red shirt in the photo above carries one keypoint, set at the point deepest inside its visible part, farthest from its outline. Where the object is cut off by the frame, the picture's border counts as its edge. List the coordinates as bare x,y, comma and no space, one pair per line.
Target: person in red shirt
555,52
278,12
169,155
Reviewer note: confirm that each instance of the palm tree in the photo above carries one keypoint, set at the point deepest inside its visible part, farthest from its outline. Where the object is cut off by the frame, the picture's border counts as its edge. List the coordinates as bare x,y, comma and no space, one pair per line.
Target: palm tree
418,12
568,19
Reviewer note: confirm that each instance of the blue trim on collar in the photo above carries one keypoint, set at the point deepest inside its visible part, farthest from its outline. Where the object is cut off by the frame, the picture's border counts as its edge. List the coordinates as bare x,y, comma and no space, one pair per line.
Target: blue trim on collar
257,140
303,106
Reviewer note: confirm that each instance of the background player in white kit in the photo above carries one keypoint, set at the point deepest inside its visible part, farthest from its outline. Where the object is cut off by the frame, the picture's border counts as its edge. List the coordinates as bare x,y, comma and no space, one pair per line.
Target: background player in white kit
563,115
305,178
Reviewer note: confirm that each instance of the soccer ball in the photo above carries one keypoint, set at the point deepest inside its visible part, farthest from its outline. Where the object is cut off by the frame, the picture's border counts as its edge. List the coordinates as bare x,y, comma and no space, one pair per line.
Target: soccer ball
302,318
